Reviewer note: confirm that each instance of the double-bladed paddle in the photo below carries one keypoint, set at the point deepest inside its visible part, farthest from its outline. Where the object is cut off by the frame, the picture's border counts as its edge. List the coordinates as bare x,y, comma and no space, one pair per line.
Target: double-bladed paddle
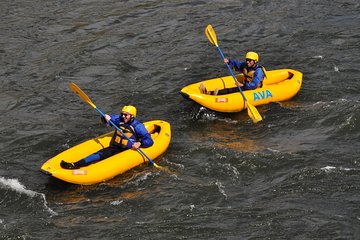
252,111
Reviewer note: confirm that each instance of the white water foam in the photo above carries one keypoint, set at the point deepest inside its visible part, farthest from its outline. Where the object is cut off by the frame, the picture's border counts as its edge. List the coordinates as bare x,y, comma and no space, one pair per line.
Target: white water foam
139,178
328,168
318,57
331,168
221,188
116,202
15,185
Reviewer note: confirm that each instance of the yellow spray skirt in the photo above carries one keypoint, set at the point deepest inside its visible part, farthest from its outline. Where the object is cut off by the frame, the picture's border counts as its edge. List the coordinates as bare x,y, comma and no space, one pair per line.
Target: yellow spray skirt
108,168
279,85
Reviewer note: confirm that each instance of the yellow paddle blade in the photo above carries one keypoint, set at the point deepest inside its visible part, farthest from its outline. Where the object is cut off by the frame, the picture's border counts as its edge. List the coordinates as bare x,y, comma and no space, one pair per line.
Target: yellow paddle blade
253,113
211,35
165,169
76,89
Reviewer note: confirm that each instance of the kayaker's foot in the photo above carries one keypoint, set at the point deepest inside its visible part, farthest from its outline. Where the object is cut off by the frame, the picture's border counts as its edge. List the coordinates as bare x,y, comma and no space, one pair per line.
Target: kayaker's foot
67,165
202,88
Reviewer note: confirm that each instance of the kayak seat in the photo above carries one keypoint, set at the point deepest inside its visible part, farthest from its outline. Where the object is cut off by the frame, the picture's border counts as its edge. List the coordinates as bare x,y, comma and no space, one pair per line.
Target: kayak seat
155,132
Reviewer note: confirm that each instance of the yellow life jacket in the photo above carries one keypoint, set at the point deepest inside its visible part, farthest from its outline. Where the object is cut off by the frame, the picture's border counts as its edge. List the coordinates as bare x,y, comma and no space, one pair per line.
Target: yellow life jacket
249,75
119,140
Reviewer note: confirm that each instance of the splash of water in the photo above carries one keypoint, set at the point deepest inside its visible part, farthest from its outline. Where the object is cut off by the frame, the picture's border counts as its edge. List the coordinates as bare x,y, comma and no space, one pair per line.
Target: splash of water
15,185
221,188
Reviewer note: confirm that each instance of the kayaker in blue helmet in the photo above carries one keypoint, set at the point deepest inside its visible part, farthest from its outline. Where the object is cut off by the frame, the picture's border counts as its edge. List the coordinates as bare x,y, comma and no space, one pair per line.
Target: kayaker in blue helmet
134,129
253,75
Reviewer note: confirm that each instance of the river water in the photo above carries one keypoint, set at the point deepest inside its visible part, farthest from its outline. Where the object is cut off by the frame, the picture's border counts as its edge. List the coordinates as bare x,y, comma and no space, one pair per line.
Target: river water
295,175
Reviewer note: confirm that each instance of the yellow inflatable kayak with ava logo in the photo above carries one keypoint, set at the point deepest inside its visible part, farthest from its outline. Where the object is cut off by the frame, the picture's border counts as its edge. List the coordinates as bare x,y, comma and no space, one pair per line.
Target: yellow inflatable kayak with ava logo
108,168
279,85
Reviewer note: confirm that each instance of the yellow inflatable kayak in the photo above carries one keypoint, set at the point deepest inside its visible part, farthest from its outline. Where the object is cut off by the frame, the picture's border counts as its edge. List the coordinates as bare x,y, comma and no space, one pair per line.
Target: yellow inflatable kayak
108,168
279,85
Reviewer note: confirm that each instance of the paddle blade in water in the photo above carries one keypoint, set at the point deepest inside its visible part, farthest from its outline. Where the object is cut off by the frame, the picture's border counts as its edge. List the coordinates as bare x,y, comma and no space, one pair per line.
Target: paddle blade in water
253,113
165,169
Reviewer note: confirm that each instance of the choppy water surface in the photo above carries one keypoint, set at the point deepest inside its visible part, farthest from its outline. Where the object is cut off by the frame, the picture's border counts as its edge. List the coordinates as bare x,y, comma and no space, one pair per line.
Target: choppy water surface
294,175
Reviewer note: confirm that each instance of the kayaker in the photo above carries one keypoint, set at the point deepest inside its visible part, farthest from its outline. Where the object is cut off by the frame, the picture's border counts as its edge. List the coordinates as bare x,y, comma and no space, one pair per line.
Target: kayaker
134,129
253,75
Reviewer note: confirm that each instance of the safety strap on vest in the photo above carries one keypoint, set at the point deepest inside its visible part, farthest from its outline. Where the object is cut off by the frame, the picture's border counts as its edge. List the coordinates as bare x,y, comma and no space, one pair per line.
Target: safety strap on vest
120,139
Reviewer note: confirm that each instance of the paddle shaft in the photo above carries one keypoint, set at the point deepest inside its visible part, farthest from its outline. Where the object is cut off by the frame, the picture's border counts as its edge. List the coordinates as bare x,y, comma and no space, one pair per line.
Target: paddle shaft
232,74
